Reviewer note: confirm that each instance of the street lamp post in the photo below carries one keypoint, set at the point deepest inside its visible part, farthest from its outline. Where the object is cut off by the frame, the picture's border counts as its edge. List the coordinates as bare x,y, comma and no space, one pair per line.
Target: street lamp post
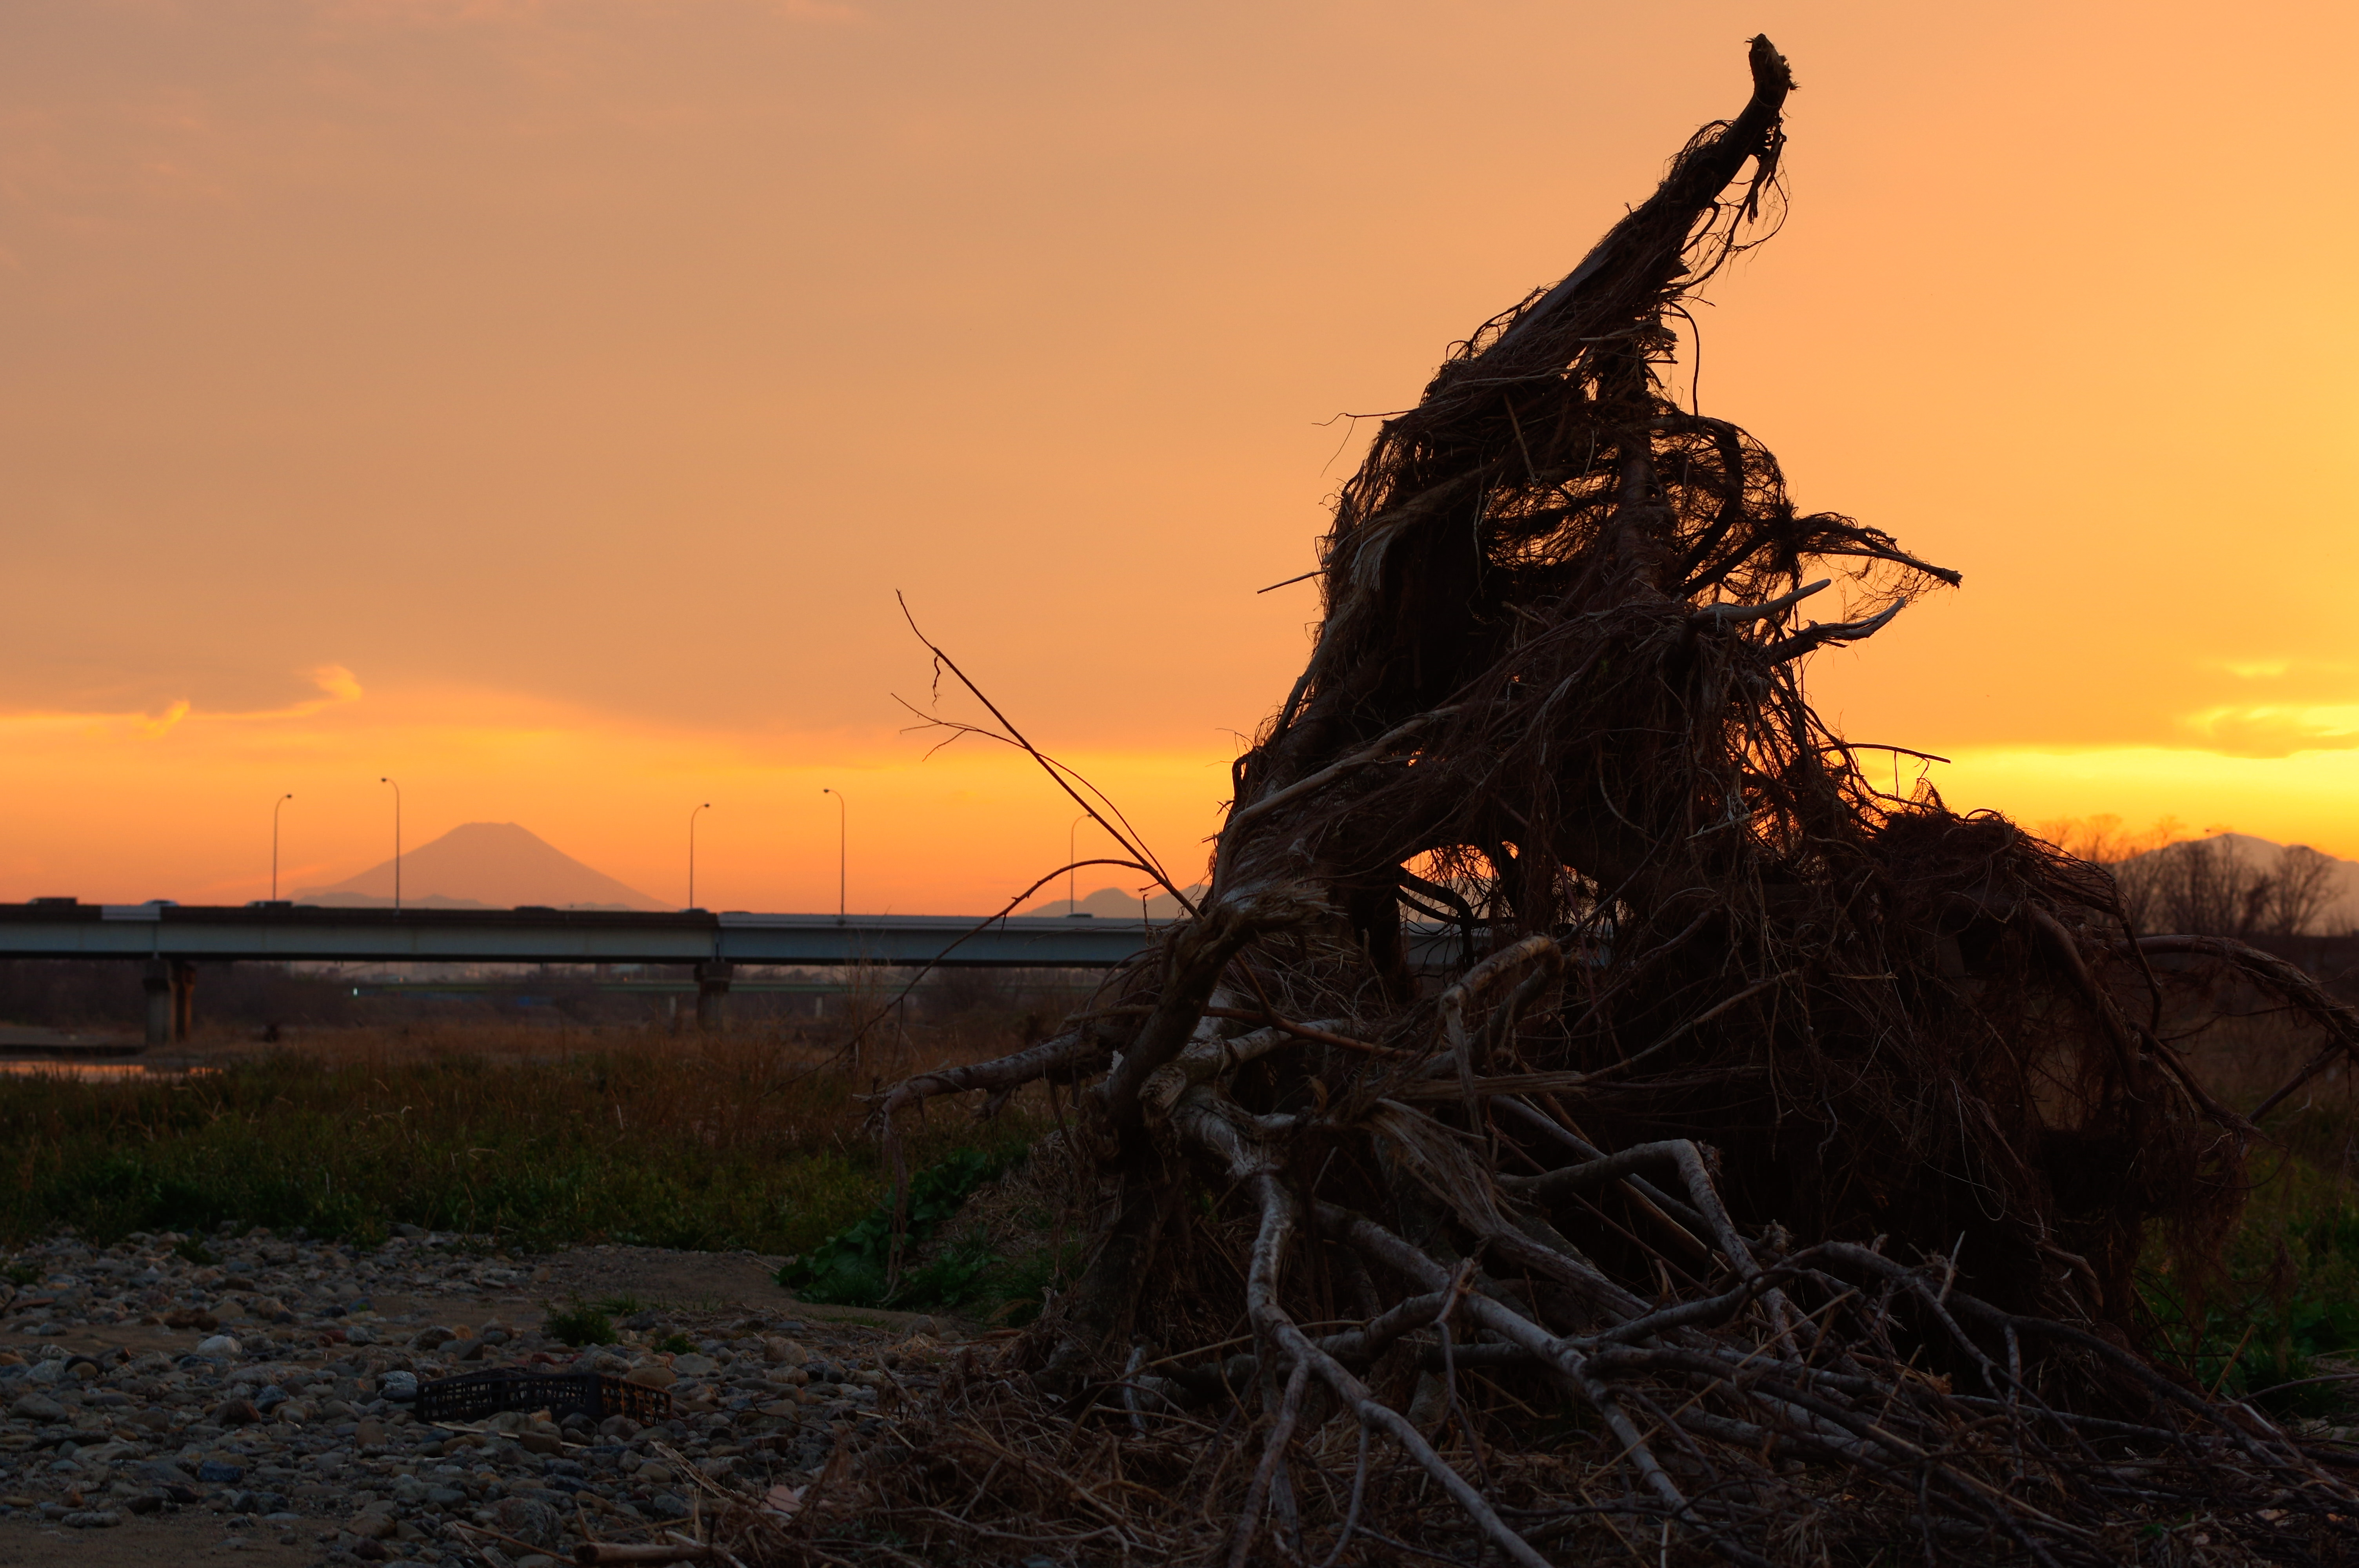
274,805
691,852
842,835
396,841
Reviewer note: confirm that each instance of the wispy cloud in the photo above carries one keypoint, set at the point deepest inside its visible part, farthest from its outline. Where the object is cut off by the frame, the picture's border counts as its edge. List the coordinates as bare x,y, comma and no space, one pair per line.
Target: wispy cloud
337,687
2274,730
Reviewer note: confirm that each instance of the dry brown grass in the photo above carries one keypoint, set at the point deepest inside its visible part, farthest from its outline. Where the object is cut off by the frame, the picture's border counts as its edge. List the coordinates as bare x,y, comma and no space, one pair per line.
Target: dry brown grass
543,1136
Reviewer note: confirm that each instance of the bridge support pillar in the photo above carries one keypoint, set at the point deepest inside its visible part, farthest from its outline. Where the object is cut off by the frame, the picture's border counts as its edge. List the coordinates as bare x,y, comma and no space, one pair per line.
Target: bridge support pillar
184,1000
157,980
712,996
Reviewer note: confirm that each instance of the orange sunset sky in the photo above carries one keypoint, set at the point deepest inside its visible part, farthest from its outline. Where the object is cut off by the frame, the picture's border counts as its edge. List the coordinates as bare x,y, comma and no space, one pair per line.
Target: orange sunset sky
542,402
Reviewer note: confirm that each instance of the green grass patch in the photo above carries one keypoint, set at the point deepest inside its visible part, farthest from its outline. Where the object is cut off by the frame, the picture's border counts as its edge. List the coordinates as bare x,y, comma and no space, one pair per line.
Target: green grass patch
969,1275
852,1267
1012,1292
2286,1321
579,1326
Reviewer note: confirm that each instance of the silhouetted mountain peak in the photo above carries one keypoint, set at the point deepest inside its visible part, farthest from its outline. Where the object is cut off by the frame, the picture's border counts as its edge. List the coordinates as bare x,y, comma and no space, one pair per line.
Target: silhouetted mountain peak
485,865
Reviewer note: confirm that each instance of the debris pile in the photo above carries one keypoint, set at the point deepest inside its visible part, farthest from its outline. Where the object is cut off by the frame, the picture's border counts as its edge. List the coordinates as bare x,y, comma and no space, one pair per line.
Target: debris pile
1761,1175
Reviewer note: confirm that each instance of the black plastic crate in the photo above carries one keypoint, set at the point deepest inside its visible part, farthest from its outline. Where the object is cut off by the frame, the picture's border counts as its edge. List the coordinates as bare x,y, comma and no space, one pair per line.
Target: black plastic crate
473,1396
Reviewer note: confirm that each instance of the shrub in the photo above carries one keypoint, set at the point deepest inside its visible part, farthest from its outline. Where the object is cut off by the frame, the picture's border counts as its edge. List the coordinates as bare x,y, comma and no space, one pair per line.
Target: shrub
579,1326
852,1268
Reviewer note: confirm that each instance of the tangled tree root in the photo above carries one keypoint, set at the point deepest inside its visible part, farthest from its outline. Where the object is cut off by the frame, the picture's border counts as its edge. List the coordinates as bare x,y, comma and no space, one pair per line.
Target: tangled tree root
1585,1115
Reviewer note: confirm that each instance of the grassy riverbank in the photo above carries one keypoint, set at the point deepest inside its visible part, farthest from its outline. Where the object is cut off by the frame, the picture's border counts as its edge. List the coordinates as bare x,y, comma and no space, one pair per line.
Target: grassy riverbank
544,1137
539,1139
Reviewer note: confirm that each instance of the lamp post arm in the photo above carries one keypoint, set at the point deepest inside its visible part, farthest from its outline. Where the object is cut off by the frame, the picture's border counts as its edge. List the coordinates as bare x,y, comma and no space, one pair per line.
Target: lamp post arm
843,853
396,842
275,806
691,852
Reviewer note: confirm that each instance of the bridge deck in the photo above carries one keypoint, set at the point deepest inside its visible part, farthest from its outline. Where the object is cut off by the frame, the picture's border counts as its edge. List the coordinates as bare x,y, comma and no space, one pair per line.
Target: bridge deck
283,933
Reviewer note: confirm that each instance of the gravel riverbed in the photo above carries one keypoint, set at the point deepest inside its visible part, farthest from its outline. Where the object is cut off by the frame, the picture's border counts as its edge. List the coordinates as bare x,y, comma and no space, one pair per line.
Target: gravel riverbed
267,1395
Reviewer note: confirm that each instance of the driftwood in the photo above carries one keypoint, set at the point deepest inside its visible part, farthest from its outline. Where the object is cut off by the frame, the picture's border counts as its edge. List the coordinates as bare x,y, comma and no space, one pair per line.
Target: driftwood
599,1553
1764,1179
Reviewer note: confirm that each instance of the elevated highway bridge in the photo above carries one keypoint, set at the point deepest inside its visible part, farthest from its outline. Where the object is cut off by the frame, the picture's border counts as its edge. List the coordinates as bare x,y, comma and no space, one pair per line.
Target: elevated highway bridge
172,939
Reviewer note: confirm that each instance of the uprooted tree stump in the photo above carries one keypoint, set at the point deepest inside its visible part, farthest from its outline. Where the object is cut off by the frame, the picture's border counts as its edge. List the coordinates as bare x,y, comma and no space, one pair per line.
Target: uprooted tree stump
1764,1172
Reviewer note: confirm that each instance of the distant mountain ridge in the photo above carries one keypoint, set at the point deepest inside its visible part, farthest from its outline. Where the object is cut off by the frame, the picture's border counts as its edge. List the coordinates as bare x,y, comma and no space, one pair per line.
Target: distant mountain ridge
1112,903
483,865
2339,910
